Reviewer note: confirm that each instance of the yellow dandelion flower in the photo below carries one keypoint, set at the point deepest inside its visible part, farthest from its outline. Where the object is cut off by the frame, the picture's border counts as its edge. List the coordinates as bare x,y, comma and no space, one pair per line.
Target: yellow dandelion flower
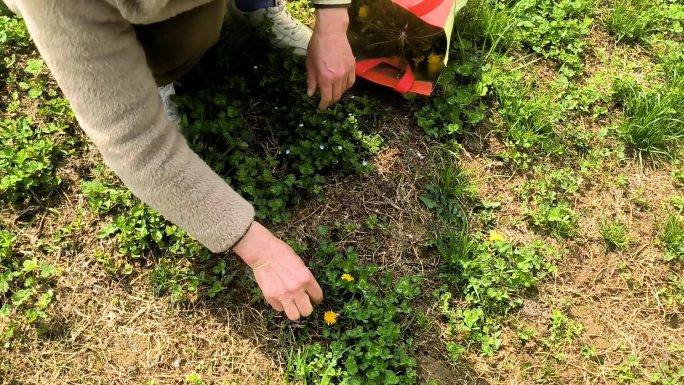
347,277
364,11
496,237
433,58
330,317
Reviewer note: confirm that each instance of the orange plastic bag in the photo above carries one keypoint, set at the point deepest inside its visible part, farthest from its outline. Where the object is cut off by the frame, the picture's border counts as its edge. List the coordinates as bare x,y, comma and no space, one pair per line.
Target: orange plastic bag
402,44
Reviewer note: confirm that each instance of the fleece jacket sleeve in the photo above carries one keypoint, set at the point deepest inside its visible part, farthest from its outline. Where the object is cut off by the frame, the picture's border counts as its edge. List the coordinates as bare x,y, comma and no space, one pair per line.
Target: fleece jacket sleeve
330,3
93,53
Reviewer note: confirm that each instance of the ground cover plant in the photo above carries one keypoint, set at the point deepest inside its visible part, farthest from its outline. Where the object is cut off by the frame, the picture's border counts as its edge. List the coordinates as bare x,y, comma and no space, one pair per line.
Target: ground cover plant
524,225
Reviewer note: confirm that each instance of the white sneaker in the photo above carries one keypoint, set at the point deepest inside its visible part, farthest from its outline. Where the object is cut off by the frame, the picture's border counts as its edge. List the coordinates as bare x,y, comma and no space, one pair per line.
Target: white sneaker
165,93
287,31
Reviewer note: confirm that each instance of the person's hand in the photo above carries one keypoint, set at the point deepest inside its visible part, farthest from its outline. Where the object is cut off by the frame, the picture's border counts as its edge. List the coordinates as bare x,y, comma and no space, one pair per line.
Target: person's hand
330,63
287,284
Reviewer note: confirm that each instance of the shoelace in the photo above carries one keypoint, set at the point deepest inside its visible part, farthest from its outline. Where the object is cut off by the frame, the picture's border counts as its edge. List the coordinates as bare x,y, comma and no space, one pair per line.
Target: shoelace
283,18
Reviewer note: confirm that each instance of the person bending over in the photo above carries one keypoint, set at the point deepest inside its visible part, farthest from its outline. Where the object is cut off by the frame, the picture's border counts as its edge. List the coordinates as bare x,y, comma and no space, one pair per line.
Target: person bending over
114,58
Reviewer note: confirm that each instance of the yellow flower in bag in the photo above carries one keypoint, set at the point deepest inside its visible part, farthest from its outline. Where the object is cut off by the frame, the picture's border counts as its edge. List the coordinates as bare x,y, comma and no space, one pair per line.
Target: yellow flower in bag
364,11
434,59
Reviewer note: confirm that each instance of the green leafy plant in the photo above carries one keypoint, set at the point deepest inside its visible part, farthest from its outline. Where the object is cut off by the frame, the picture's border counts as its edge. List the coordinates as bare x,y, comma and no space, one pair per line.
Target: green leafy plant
528,123
563,329
549,209
672,238
673,293
636,20
30,147
486,276
24,287
555,29
615,234
666,375
26,159
457,103
194,379
182,265
491,278
259,129
364,336
628,372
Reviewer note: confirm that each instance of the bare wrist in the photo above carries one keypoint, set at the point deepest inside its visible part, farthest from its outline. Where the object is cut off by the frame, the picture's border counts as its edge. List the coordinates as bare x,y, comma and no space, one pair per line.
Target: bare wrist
246,246
332,20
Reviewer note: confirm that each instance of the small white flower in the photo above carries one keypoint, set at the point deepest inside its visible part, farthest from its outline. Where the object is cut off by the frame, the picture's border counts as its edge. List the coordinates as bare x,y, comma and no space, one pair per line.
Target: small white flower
353,96
322,147
287,152
256,67
276,107
350,114
365,163
420,156
301,125
339,148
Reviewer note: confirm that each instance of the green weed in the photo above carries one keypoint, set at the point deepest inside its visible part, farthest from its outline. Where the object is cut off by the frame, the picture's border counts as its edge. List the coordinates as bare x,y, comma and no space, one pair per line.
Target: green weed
652,124
677,174
486,276
666,375
491,21
13,33
588,351
257,127
528,122
637,20
670,54
615,234
628,372
182,267
631,20
29,147
491,278
194,379
673,294
672,238
26,159
563,329
369,341
457,103
25,291
548,206
555,29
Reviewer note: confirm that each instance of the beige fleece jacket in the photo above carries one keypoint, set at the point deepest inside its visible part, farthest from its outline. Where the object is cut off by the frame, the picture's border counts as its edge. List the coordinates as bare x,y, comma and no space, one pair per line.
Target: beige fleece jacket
92,51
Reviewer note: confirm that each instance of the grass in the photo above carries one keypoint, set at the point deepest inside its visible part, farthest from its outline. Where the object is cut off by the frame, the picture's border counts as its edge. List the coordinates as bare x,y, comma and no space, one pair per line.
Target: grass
652,124
615,234
455,236
631,20
672,238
